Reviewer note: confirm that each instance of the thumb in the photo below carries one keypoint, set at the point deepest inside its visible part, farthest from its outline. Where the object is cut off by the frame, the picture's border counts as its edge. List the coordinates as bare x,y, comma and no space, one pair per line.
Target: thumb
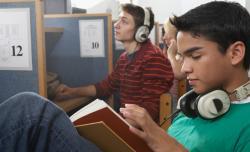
172,50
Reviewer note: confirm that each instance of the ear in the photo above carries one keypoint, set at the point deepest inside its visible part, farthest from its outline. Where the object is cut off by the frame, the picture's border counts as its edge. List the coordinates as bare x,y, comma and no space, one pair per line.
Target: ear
237,52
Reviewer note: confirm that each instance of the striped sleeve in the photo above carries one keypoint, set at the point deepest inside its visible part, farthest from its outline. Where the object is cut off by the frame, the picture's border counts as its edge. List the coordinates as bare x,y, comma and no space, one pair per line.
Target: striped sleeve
106,87
157,79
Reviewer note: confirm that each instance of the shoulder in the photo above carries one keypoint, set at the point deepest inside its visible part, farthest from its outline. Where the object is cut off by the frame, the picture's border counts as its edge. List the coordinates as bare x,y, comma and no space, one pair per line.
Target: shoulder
122,57
149,51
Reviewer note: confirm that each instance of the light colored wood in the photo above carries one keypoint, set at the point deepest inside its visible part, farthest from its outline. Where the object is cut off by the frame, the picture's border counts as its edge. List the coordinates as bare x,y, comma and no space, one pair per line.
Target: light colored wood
110,53
165,109
110,46
157,41
182,87
71,104
41,57
54,29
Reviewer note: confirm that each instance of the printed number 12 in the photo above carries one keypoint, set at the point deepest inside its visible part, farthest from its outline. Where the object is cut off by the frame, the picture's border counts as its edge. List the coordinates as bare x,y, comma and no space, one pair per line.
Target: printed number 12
17,50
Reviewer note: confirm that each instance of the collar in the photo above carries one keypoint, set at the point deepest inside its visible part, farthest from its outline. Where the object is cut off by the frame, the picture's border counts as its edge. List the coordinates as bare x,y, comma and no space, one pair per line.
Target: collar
142,46
247,100
241,92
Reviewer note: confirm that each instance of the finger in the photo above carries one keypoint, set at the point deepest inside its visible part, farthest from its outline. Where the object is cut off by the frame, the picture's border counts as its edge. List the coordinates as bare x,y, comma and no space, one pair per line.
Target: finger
132,123
165,52
134,107
172,47
138,116
135,110
138,132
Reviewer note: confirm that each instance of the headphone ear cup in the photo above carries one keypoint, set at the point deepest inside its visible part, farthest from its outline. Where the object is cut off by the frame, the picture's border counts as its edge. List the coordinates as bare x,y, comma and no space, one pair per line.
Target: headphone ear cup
141,34
186,104
212,104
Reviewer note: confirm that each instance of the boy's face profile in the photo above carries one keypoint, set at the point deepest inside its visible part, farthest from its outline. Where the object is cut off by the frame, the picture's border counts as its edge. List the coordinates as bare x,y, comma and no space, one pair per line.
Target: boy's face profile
206,67
125,27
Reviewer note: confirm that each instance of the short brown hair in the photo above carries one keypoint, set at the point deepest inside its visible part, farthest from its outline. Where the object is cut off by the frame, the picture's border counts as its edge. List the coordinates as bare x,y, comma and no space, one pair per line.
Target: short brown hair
138,14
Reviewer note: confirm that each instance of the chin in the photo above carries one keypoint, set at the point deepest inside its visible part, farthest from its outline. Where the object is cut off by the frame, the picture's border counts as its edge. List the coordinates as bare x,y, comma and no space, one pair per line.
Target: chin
118,39
199,90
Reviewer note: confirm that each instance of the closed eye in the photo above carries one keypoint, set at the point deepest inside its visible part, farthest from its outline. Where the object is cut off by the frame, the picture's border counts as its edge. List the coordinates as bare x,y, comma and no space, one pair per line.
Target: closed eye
124,22
196,57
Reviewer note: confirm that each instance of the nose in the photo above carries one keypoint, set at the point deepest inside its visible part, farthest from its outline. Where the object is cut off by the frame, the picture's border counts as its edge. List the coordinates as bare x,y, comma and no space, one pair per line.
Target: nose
116,24
186,66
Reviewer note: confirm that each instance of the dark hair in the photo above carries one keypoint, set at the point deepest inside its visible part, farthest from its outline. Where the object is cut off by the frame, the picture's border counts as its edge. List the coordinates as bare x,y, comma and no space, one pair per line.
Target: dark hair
138,14
218,21
162,32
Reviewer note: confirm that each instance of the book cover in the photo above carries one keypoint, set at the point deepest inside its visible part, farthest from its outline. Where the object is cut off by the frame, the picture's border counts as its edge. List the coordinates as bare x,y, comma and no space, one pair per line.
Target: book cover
104,137
99,112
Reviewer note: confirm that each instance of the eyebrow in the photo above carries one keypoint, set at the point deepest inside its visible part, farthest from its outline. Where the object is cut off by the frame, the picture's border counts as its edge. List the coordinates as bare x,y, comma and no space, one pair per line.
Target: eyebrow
123,17
190,50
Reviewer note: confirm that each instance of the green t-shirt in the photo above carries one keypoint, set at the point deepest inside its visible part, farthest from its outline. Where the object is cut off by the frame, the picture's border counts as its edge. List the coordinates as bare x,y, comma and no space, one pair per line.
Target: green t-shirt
229,133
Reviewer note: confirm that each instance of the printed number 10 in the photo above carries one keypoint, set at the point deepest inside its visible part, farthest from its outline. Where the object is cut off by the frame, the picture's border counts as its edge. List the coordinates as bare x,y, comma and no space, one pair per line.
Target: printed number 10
95,45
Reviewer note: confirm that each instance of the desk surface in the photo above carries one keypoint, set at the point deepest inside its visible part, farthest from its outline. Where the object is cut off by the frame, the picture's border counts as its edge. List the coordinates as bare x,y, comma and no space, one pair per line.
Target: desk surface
71,104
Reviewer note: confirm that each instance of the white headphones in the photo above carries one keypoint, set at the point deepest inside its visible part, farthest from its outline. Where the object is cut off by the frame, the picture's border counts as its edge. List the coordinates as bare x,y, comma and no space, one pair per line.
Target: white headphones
212,104
142,32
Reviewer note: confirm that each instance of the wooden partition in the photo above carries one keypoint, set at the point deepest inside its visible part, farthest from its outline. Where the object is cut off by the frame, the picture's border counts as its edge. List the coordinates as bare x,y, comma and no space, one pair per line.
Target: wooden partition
21,47
165,110
63,53
66,36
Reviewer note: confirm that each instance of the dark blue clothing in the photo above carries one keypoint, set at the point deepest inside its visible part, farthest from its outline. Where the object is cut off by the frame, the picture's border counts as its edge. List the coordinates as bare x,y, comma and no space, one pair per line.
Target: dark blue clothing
31,123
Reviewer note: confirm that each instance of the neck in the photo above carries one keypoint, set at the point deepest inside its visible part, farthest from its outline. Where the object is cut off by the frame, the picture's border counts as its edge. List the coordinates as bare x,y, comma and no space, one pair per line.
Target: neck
235,78
131,47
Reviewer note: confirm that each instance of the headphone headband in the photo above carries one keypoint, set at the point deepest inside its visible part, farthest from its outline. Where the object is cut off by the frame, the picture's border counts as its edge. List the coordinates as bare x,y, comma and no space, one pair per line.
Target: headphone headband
141,34
146,17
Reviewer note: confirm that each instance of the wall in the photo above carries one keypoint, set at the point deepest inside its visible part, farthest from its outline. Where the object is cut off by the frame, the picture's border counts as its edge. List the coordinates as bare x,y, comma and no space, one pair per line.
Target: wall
166,8
162,8
57,6
106,6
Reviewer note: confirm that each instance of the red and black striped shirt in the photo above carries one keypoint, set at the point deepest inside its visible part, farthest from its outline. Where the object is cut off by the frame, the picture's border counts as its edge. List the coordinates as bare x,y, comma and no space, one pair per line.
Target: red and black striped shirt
140,78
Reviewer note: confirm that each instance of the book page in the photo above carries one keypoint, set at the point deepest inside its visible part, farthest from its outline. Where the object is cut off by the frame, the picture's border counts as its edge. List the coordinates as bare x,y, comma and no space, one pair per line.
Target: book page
91,107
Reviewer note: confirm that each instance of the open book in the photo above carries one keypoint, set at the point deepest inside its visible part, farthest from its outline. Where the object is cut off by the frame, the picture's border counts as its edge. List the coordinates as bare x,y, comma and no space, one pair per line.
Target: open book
99,123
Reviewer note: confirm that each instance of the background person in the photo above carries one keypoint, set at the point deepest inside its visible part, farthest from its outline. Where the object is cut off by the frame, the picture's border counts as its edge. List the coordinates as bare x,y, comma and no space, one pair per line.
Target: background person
141,73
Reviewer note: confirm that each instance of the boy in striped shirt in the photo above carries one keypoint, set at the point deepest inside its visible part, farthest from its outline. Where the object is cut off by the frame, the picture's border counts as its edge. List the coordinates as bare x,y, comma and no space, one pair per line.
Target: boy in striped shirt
141,74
